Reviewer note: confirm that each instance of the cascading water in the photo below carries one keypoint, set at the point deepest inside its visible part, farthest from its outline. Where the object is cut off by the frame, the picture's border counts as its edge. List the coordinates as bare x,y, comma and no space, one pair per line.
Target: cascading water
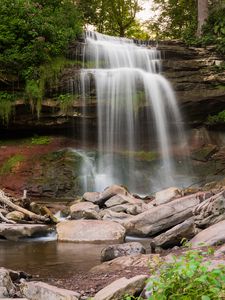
127,80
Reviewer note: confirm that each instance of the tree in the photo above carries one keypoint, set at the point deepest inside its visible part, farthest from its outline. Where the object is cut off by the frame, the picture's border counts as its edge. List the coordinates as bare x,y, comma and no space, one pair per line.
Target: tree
203,12
173,19
114,17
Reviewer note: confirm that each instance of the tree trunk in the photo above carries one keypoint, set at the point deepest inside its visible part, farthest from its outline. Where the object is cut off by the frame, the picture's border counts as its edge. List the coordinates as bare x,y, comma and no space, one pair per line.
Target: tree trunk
203,12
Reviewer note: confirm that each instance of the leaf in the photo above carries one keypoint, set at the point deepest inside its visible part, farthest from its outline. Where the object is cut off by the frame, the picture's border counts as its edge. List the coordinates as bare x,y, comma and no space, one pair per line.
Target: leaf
206,297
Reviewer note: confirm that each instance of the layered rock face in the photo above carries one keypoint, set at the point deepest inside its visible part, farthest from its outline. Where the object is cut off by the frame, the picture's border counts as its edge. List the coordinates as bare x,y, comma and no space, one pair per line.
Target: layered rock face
194,73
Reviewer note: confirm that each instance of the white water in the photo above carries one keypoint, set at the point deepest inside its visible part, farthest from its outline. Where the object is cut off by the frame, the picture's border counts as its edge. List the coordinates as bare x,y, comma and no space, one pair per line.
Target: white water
127,78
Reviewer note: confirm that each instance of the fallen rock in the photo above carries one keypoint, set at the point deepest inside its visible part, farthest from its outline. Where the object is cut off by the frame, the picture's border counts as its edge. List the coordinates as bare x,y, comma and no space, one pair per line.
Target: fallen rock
139,260
167,195
114,251
213,235
115,200
121,287
131,209
114,216
92,197
90,231
162,217
44,291
7,287
18,231
174,236
84,210
15,216
211,211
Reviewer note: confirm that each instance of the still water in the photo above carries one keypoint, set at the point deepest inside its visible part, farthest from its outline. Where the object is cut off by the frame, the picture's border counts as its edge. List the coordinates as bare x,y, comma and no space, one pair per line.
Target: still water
49,259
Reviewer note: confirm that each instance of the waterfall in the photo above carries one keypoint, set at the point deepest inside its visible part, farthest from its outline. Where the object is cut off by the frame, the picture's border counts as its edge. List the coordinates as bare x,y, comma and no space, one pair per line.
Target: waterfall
134,103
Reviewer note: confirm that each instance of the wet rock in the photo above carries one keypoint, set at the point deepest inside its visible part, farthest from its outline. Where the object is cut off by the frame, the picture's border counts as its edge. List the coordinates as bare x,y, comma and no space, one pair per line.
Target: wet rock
121,287
167,195
205,153
15,216
18,231
115,251
90,231
162,217
44,291
7,287
211,211
213,235
84,210
174,236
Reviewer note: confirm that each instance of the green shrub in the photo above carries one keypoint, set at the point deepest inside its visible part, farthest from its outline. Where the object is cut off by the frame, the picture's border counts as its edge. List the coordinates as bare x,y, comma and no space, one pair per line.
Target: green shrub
40,140
217,119
66,102
11,163
6,107
187,278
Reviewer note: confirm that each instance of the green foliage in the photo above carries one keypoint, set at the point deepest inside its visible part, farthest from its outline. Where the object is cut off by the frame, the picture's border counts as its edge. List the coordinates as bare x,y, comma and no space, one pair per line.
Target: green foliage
40,140
66,102
142,155
217,119
173,19
214,30
6,107
32,32
187,277
115,17
11,163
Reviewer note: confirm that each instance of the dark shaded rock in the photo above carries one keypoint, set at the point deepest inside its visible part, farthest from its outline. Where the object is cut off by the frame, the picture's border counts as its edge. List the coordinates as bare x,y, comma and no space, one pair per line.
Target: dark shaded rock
205,153
115,251
174,236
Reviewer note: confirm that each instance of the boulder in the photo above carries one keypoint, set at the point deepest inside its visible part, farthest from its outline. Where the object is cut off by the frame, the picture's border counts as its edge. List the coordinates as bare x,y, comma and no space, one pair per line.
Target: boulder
211,211
109,192
114,251
121,287
131,209
167,195
84,210
15,216
163,217
174,236
7,287
136,261
44,291
114,216
213,235
93,197
115,200
17,231
90,231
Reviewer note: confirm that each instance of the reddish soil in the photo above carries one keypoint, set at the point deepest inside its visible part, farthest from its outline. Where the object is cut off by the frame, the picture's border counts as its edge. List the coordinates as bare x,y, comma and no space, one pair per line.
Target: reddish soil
14,181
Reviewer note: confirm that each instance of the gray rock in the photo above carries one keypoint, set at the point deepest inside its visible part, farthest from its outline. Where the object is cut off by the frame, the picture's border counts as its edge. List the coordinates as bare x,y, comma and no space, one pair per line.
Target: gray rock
44,291
93,197
211,211
121,287
213,235
174,236
131,209
114,216
220,251
162,217
115,200
114,251
90,231
167,195
17,231
6,285
84,210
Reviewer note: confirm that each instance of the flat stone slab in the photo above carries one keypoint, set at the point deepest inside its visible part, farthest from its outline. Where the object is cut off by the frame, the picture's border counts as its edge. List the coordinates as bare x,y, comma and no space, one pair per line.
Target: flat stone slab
15,232
90,231
43,291
121,287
